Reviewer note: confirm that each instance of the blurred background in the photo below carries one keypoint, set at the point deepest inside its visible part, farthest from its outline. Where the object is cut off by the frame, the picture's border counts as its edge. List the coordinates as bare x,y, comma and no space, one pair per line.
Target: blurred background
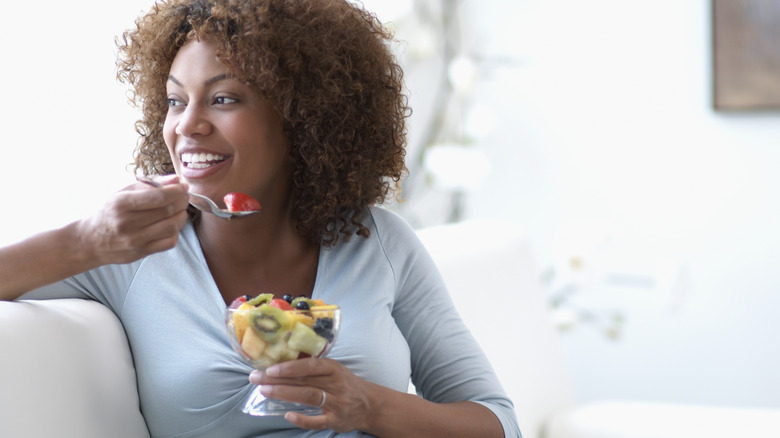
652,217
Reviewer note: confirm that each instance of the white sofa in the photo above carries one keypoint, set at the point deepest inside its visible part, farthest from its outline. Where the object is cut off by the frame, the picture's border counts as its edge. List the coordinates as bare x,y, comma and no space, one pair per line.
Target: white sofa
66,370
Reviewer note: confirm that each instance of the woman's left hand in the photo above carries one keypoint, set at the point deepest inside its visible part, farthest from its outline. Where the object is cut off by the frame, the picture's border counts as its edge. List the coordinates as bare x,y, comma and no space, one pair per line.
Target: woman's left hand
352,403
348,399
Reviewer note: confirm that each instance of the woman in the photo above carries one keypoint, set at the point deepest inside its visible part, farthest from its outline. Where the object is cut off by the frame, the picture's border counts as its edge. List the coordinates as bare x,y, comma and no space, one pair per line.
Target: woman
297,103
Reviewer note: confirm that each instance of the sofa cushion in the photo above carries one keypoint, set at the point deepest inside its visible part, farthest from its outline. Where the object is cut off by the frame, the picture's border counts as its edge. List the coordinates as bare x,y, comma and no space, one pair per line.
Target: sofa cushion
628,419
66,371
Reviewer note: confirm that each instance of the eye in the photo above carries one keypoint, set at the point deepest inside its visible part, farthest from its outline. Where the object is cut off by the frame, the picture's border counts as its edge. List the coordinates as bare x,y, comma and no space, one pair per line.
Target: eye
172,102
224,100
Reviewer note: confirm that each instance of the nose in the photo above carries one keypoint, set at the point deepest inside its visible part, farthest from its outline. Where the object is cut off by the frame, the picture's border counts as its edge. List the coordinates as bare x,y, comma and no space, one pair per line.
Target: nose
192,122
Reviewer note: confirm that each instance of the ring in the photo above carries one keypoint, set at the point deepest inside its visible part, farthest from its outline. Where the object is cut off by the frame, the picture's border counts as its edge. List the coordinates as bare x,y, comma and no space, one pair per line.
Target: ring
323,398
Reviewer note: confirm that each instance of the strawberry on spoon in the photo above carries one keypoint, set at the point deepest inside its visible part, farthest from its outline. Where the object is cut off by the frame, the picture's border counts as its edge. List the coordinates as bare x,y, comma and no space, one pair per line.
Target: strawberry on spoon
236,201
203,203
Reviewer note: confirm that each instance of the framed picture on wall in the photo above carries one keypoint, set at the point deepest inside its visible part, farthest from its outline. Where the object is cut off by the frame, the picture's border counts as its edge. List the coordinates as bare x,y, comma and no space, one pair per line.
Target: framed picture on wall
746,54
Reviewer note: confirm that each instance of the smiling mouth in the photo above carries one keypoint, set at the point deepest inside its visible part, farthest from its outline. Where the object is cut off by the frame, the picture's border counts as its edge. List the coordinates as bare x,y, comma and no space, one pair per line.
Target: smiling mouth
201,161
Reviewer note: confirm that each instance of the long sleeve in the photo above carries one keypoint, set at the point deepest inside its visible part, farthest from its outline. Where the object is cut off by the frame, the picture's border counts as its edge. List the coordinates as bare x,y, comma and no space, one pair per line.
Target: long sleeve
447,362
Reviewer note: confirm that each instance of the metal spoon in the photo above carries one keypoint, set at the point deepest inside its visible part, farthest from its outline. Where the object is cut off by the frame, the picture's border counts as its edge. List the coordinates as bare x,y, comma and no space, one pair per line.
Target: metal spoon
203,203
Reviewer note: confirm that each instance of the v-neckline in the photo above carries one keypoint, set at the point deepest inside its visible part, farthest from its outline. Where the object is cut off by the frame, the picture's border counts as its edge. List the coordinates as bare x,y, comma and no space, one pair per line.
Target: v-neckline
216,293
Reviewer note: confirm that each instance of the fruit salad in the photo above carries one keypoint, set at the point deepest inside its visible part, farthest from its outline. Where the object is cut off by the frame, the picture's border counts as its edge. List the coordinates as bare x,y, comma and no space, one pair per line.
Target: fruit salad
268,330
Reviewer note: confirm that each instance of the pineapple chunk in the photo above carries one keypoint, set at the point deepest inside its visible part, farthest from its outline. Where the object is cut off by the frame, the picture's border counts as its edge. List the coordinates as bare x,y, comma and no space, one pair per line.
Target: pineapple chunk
252,344
281,351
323,311
301,317
241,320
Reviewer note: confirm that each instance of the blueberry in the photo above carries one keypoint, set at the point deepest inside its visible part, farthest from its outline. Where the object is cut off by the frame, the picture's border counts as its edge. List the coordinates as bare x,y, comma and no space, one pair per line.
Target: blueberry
302,305
324,328
288,298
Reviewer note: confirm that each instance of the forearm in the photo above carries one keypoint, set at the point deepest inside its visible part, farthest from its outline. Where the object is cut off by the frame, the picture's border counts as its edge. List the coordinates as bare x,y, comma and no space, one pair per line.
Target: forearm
42,259
398,414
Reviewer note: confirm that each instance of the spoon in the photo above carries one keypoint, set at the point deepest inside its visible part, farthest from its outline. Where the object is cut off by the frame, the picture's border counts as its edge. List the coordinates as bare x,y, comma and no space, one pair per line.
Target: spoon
202,203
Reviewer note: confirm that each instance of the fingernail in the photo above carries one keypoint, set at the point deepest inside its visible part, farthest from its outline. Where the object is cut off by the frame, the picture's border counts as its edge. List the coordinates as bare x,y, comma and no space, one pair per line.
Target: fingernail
254,377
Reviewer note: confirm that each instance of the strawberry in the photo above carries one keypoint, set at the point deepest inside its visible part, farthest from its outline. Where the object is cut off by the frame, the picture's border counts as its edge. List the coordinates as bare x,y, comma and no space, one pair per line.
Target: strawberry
280,303
236,201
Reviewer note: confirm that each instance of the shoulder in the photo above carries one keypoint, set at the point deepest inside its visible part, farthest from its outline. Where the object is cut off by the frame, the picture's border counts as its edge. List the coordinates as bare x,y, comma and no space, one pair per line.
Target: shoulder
390,239
385,223
400,243
393,234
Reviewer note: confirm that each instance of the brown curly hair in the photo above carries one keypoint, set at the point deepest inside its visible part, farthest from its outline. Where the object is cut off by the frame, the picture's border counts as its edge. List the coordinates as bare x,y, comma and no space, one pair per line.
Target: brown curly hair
325,65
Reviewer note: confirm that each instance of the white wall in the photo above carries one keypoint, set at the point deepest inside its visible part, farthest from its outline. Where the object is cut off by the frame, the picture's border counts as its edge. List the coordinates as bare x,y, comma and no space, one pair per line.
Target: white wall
67,131
609,122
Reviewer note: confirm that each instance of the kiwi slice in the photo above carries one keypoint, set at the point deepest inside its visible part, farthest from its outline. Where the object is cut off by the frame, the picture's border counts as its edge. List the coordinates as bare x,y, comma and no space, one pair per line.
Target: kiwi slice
270,323
297,300
261,299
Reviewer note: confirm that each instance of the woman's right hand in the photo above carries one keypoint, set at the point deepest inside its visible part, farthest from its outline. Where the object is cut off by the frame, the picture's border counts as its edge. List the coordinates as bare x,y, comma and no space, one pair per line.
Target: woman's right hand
137,221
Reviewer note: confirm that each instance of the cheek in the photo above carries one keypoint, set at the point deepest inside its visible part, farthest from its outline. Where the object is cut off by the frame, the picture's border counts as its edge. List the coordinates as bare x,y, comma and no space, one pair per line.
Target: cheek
169,135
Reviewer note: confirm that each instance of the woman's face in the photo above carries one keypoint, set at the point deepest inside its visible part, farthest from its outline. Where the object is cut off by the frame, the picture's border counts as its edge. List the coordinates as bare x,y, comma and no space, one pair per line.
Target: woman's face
222,136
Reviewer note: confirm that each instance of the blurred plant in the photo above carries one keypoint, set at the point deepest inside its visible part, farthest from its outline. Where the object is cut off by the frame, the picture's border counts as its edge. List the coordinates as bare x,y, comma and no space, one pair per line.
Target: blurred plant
567,314
446,158
574,273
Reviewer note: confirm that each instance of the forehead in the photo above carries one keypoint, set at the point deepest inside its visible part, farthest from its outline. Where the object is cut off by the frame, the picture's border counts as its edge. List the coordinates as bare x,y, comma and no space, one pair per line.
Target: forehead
197,55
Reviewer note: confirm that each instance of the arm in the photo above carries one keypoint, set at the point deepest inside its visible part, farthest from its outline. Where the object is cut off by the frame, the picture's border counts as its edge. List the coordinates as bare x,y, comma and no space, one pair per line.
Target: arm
423,418
460,393
134,223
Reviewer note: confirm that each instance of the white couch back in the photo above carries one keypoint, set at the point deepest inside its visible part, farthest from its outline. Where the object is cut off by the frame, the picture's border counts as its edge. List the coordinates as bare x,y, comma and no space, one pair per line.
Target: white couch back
488,269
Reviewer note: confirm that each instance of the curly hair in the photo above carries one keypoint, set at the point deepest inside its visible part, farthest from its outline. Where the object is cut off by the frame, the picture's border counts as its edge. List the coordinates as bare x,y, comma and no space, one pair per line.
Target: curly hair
325,65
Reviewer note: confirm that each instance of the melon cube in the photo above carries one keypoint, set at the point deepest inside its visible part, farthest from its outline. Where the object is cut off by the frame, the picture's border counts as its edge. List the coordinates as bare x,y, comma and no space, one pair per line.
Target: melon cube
305,339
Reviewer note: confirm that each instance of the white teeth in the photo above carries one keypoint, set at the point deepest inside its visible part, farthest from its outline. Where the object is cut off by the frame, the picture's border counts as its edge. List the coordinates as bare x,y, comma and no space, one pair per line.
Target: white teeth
200,161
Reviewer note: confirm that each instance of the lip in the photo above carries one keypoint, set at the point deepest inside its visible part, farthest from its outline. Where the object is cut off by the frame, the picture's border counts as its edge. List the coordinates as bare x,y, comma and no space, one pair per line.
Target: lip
196,173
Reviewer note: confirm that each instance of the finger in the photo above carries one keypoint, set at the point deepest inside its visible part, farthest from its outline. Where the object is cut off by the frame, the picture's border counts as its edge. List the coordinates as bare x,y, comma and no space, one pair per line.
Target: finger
163,244
156,204
136,229
169,188
255,377
307,395
311,422
308,367
161,180
148,225
164,232
154,197
167,179
127,247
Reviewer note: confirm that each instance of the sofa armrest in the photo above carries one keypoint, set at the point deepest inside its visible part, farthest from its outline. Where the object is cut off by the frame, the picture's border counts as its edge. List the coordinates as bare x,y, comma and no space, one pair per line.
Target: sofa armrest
624,419
66,371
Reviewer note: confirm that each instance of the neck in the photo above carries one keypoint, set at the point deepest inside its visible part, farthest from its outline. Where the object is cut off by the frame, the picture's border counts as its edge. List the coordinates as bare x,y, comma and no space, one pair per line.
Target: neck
259,253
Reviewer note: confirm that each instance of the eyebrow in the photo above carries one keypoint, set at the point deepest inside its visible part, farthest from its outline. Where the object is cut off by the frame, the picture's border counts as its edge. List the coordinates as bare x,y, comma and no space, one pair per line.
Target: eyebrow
209,82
